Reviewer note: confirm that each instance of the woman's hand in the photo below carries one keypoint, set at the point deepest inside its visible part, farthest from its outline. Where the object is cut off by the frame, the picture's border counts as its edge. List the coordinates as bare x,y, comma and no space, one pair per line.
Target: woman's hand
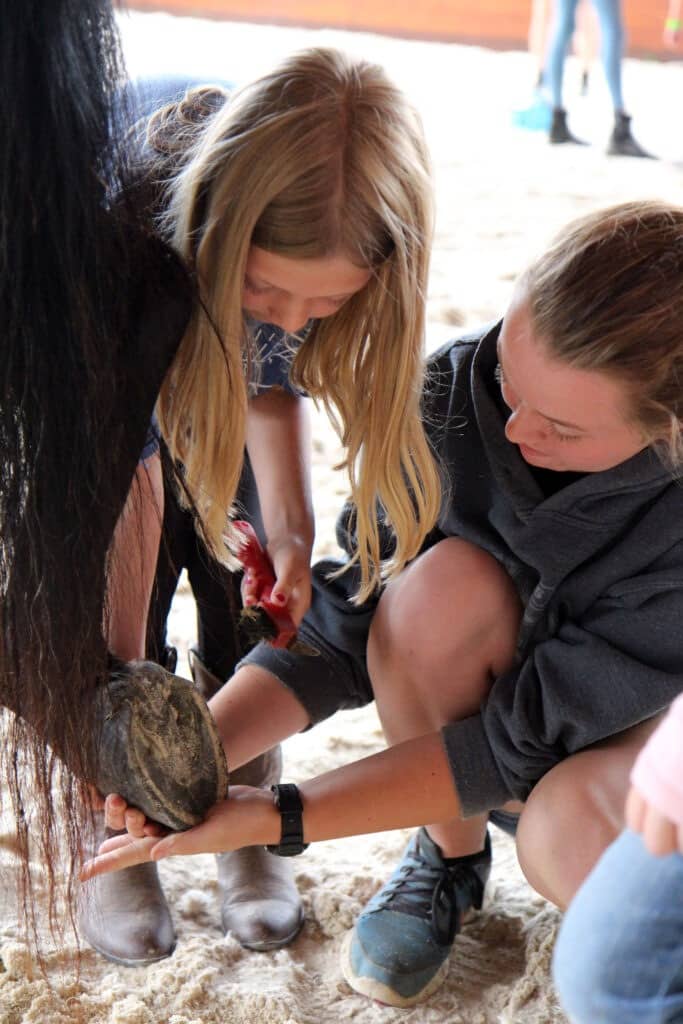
672,33
660,835
247,818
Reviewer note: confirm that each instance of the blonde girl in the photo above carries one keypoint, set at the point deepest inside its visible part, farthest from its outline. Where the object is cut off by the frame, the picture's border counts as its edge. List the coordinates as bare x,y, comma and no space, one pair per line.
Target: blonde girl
320,161
302,207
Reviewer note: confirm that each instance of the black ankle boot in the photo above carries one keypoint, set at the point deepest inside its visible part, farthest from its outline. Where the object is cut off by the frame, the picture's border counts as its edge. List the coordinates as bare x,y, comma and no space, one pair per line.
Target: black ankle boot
559,132
621,141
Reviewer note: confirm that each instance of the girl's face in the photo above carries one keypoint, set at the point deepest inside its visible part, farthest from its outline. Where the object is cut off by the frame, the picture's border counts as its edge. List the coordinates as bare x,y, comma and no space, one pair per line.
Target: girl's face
290,292
561,417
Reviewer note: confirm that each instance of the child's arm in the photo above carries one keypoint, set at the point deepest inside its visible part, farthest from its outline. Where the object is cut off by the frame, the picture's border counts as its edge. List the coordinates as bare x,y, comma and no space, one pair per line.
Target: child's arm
133,560
278,443
672,24
655,803
405,785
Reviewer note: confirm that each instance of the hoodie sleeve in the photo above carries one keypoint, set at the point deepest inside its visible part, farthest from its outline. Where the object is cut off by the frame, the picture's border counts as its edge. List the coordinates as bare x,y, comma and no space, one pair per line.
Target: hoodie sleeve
620,664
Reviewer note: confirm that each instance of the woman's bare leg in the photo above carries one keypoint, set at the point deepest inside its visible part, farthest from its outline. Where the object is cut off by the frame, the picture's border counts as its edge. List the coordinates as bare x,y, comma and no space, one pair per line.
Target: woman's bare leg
575,812
442,632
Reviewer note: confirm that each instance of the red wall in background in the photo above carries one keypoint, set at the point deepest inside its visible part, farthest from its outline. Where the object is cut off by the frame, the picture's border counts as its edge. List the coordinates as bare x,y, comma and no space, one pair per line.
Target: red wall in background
496,23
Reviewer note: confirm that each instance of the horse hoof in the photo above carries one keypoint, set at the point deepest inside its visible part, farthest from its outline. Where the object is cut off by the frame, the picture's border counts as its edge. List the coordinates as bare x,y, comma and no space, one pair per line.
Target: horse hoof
158,746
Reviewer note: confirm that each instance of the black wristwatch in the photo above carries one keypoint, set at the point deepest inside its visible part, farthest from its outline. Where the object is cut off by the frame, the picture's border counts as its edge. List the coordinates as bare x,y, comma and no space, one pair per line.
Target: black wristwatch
288,802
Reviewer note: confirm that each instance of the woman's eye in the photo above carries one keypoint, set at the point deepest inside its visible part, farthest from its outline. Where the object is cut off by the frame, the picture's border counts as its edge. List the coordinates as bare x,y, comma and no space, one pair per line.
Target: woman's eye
508,396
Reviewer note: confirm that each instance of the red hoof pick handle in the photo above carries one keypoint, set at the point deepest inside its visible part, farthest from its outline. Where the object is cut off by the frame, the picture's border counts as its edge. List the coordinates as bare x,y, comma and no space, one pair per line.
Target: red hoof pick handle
266,620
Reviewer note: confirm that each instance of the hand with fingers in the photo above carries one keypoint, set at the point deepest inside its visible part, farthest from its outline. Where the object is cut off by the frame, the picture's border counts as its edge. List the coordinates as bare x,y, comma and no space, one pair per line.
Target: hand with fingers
660,834
276,582
247,818
654,806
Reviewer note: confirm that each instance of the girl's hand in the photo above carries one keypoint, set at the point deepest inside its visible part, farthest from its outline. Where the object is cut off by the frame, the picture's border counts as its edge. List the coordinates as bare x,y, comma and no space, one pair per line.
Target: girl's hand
280,576
291,558
660,835
118,815
247,818
672,33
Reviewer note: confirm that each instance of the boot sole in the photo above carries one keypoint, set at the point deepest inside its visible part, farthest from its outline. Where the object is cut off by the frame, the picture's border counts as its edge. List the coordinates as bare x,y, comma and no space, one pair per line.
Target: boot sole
265,947
125,961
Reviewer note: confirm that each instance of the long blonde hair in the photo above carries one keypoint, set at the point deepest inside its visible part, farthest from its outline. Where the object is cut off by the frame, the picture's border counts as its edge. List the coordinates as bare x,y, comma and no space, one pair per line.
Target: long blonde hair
322,156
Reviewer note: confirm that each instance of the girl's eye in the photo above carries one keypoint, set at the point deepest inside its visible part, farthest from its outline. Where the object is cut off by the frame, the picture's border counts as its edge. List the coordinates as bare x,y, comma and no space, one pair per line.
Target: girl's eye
254,289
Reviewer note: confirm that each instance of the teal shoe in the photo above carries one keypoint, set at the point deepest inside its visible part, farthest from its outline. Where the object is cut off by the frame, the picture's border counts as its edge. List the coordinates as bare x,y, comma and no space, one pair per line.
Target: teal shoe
398,951
537,117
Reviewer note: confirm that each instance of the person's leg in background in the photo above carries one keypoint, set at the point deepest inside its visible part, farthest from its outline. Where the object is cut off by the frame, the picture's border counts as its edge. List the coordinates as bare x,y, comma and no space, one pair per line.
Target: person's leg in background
536,115
612,35
560,38
586,41
619,955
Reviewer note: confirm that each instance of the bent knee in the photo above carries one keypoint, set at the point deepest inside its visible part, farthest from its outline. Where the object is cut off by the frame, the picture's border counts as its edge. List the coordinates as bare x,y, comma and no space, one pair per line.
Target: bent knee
570,818
619,941
451,591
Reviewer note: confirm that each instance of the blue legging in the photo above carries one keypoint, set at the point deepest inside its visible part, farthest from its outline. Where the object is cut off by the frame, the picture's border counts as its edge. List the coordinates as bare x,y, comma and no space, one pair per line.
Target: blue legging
619,956
612,45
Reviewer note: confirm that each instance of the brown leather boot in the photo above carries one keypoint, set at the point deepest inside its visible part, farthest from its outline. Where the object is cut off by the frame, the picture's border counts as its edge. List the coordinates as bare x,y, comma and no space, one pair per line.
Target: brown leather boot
261,904
124,915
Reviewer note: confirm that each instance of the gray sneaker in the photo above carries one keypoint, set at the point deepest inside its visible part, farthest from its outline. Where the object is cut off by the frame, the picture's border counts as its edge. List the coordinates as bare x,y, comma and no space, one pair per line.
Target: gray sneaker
398,951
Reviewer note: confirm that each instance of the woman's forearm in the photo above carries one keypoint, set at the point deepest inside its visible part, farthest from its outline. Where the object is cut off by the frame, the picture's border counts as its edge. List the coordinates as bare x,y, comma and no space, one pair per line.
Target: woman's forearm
407,784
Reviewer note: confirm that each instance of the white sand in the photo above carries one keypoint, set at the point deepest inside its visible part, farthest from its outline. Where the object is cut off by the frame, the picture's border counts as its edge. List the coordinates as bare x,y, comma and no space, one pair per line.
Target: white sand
501,193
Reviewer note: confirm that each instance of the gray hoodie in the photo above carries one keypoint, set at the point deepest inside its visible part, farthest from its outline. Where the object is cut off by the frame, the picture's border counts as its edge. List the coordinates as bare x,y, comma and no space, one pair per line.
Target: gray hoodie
598,565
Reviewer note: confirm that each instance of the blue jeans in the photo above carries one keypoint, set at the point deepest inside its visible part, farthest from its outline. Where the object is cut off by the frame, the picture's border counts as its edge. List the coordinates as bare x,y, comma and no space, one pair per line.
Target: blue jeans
619,956
611,41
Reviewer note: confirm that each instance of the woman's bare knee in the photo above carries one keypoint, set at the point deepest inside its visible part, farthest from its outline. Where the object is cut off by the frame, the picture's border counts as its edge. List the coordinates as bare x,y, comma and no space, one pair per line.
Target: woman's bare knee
444,629
575,812
450,596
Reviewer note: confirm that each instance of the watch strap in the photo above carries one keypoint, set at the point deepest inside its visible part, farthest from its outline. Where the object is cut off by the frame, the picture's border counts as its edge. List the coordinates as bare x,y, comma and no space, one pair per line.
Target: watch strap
287,799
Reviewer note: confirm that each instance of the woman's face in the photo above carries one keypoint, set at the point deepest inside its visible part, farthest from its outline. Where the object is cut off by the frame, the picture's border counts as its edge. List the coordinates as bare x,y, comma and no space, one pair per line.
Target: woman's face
290,292
561,417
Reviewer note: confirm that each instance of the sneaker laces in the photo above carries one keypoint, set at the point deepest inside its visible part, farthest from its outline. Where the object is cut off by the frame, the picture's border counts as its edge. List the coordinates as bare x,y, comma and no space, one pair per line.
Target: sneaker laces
438,893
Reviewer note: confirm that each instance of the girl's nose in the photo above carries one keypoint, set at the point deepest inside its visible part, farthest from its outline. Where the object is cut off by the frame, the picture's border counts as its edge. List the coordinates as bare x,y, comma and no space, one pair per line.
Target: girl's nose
290,315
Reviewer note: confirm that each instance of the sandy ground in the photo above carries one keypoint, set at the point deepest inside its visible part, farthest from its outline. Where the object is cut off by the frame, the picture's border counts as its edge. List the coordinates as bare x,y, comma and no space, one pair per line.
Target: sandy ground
501,193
